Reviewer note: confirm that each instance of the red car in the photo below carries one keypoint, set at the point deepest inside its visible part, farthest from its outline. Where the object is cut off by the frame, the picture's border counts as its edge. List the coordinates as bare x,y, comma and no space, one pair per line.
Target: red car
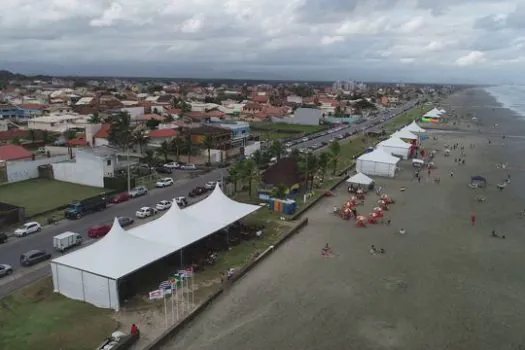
98,231
121,197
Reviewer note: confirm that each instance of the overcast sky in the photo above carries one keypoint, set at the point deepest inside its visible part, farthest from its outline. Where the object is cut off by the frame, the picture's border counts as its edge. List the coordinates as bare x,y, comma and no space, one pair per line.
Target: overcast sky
473,41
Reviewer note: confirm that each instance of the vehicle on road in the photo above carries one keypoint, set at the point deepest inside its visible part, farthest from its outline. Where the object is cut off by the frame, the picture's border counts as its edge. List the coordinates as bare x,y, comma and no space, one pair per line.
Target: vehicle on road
145,212
305,139
33,257
163,170
288,144
98,231
66,240
78,209
210,185
125,221
165,182
197,191
339,137
172,165
5,270
119,198
181,201
163,205
188,167
3,237
138,191
27,229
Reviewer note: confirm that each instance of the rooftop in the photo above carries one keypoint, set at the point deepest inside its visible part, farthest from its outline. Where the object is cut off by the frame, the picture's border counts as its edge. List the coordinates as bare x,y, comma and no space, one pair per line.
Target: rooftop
14,152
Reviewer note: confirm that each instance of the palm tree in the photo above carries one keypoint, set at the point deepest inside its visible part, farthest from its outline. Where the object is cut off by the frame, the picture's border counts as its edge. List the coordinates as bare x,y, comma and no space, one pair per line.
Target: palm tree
140,138
177,144
308,166
235,174
149,157
95,119
277,149
295,154
324,160
120,133
188,143
16,140
164,150
208,144
279,191
334,149
258,159
249,172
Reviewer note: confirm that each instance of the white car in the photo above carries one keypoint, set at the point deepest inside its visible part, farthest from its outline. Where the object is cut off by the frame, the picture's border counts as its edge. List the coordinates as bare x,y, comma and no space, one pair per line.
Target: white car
172,165
304,139
181,201
165,182
210,185
288,144
163,205
28,228
145,212
188,167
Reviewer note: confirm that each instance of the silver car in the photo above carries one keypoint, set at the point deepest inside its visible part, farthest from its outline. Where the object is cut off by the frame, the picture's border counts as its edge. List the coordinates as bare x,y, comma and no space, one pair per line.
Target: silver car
5,270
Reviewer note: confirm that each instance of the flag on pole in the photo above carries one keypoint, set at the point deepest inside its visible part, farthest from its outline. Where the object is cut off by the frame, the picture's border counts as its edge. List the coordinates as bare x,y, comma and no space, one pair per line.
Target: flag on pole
189,273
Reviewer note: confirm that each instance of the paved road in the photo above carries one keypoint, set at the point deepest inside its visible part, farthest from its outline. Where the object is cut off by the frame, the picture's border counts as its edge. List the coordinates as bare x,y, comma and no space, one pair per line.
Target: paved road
11,251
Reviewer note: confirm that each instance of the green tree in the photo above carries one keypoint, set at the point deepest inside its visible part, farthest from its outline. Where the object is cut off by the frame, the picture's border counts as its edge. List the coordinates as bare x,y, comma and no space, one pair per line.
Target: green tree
334,150
277,149
188,143
279,191
140,138
32,135
258,159
324,161
177,144
46,137
164,150
308,166
296,154
149,157
120,132
208,145
249,173
16,140
152,124
95,119
235,174
70,134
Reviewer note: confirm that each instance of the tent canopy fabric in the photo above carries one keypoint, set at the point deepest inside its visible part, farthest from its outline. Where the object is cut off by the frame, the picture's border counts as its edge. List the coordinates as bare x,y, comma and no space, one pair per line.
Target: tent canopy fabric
404,134
116,254
395,142
413,127
379,156
434,113
360,179
122,252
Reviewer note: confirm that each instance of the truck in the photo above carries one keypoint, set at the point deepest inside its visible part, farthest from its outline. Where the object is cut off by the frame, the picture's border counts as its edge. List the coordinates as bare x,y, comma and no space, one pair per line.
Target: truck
77,209
66,240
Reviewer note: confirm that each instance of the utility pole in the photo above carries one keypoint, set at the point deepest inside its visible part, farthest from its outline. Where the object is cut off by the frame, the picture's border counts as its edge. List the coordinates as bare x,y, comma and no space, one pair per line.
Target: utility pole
129,169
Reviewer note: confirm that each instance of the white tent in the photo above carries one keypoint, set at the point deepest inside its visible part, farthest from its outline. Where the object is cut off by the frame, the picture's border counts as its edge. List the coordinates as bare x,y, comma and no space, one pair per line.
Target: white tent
91,274
413,128
434,113
396,147
404,134
377,162
360,179
442,111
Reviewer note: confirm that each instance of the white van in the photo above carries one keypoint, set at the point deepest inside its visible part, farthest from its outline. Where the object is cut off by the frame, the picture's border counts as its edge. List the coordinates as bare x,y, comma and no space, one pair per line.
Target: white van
66,240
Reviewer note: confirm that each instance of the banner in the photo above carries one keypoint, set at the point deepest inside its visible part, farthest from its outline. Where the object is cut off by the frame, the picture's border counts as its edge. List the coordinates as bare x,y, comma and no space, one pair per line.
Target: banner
156,294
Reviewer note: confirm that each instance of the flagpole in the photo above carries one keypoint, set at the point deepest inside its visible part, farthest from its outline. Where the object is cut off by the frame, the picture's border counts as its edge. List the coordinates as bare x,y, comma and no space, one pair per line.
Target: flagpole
172,308
192,289
165,310
177,301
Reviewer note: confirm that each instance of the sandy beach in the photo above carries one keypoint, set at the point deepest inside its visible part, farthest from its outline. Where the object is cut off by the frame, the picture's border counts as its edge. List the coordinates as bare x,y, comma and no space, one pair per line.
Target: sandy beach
444,284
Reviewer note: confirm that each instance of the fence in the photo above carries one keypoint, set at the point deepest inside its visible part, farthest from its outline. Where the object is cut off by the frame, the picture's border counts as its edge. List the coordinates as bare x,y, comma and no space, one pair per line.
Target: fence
25,170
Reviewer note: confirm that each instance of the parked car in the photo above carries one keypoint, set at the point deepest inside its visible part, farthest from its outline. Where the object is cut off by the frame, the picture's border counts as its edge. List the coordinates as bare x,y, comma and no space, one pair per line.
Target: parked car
172,165
66,240
181,201
145,212
163,205
197,191
138,192
119,198
98,231
125,221
188,167
165,182
3,237
33,257
304,139
163,170
5,270
210,185
288,144
28,228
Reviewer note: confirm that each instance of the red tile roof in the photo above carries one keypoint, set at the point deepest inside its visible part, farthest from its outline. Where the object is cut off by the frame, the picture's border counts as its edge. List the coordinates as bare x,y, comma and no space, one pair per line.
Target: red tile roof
160,133
32,106
11,134
150,117
260,98
14,152
103,133
80,140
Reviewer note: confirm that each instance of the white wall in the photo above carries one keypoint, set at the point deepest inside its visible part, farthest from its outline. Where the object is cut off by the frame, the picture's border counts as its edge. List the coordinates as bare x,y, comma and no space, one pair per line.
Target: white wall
134,112
60,151
250,149
85,170
101,142
28,169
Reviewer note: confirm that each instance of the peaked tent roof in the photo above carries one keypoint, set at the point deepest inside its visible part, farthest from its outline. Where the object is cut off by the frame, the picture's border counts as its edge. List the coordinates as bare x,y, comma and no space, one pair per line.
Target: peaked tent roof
115,255
404,134
413,127
361,179
394,142
380,156
219,208
434,113
442,111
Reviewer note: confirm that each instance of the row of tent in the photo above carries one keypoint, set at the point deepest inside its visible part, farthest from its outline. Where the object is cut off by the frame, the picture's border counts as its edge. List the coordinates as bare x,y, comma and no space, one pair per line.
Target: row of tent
434,115
382,161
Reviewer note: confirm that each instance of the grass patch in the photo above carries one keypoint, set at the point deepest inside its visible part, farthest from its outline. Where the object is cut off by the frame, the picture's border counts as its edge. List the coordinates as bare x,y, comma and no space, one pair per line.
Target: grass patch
290,128
36,318
39,195
406,117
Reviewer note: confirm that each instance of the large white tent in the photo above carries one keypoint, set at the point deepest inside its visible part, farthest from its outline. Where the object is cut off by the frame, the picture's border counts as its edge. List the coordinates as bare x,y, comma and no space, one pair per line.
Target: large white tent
377,162
92,274
433,113
360,179
414,128
404,134
396,147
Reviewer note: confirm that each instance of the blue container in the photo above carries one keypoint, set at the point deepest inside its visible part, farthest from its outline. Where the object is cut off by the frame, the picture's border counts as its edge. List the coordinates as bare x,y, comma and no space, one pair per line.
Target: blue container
290,206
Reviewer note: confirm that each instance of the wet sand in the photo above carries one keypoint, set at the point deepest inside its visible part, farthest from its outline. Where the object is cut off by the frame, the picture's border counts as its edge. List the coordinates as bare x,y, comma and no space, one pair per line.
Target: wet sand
445,284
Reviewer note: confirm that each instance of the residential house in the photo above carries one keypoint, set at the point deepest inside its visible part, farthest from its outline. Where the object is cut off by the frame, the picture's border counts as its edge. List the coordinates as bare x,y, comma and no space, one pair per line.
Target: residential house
252,108
240,131
57,122
156,137
14,152
19,113
221,137
261,97
293,99
305,116
100,138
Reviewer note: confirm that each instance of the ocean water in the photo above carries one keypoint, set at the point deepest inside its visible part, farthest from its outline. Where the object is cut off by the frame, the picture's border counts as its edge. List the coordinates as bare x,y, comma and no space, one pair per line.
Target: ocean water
510,96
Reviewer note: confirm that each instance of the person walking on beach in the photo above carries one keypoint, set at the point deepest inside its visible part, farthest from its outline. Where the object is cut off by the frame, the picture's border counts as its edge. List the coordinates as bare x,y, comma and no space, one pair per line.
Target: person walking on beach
473,219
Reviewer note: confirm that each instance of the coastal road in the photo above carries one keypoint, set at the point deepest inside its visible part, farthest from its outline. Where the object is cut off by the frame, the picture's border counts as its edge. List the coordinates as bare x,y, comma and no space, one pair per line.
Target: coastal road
11,251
